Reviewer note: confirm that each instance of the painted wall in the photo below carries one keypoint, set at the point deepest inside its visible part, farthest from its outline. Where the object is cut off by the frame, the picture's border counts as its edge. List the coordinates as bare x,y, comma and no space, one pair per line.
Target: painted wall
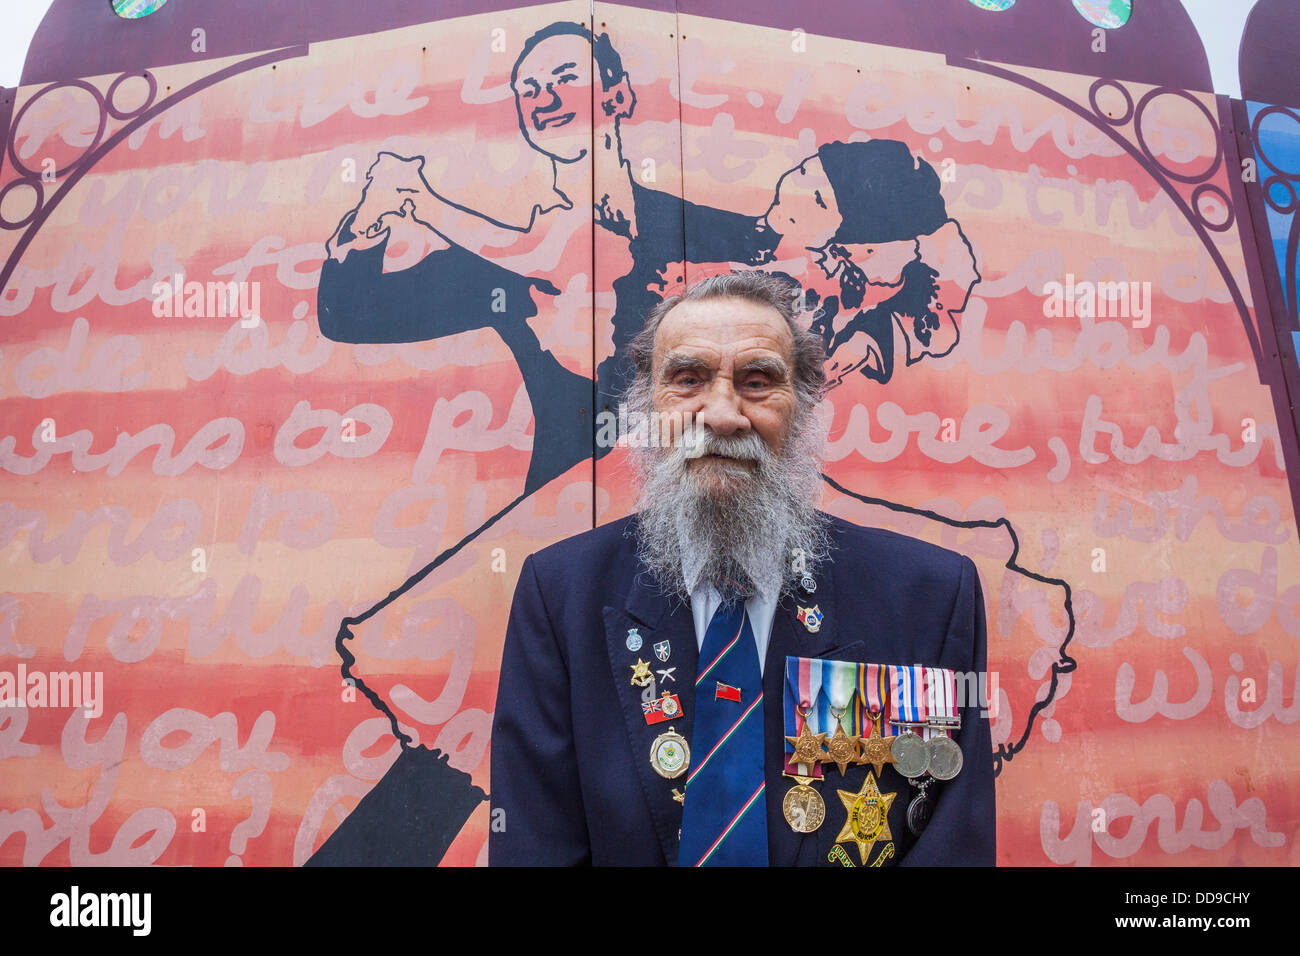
287,537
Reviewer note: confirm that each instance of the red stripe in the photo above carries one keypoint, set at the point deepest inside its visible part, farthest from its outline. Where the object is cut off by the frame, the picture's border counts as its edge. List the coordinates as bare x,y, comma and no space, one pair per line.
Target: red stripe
727,829
723,739
704,673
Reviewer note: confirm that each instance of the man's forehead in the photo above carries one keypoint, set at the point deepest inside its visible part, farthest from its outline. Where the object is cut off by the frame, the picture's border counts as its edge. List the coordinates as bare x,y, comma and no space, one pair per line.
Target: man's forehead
724,327
554,52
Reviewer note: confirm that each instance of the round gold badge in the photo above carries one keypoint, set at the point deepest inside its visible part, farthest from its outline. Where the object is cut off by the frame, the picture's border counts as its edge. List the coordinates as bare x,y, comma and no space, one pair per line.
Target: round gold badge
670,755
803,808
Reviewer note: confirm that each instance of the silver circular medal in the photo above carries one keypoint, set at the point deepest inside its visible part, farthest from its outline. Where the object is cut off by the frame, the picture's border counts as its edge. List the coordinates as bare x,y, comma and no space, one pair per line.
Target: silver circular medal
670,755
808,583
918,813
911,756
945,758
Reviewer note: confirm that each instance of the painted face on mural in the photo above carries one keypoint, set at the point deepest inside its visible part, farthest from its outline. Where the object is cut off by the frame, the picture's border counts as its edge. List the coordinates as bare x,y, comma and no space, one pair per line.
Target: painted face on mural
873,303
553,95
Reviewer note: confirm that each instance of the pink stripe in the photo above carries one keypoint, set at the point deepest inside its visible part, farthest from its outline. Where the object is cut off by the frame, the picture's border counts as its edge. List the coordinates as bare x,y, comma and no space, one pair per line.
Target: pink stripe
805,691
723,739
734,820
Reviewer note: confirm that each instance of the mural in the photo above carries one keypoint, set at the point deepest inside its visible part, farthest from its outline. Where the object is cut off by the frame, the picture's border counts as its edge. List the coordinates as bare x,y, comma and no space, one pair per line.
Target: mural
307,344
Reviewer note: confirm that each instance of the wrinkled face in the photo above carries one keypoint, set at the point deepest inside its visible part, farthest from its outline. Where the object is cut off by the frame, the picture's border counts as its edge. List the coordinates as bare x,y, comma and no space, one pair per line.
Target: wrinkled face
725,364
553,96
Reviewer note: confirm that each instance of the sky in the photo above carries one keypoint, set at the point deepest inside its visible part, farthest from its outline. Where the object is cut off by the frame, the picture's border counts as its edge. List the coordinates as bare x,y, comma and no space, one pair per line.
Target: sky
1220,23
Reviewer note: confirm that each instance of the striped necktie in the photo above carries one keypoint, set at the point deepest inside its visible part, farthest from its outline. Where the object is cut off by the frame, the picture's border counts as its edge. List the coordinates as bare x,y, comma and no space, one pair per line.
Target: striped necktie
724,820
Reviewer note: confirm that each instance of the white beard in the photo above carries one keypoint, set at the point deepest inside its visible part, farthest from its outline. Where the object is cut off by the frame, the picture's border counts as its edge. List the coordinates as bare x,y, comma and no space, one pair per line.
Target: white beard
745,538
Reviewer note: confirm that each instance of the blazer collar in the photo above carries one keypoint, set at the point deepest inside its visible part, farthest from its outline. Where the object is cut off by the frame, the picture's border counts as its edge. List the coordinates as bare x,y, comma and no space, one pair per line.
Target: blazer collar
664,628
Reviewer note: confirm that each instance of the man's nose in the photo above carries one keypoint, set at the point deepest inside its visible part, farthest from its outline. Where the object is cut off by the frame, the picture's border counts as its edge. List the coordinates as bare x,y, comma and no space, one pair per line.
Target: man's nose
721,410
553,104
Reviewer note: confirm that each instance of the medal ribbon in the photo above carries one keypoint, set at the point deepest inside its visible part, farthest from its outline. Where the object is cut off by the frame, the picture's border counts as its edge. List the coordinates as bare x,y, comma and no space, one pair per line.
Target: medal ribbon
941,696
803,682
907,702
842,687
873,693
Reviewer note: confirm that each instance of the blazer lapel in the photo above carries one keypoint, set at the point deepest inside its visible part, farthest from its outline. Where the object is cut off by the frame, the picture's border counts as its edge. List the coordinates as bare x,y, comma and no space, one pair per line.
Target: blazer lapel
790,638
657,619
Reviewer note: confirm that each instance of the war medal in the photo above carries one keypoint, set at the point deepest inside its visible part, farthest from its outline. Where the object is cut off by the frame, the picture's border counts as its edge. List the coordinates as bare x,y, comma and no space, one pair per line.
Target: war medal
907,710
807,745
841,749
918,811
874,748
670,755
945,754
803,807
867,817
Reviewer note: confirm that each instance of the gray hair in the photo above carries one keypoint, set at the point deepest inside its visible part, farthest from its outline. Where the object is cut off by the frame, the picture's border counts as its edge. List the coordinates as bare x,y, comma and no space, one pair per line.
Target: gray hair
739,544
808,350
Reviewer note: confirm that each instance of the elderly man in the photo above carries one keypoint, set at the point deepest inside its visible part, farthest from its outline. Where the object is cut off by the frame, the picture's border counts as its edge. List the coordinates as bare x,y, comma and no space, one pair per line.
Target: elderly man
644,707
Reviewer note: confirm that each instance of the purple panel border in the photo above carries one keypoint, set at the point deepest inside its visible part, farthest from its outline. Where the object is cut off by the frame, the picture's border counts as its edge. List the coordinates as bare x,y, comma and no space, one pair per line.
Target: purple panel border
1159,45
79,38
1269,60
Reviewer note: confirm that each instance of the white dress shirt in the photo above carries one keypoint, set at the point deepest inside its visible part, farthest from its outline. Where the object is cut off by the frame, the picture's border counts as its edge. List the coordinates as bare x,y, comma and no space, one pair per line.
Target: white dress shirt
705,600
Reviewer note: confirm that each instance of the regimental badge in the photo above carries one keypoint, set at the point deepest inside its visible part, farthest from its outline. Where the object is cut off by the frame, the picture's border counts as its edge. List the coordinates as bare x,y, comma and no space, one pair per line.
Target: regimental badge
868,816
633,640
811,618
641,675
662,650
670,755
667,707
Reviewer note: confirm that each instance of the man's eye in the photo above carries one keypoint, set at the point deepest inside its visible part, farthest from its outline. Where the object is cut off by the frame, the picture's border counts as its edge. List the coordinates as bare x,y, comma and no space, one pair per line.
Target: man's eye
688,380
756,382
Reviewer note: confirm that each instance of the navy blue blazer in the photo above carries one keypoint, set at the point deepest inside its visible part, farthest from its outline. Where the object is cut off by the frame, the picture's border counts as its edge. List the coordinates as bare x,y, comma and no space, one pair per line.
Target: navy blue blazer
571,748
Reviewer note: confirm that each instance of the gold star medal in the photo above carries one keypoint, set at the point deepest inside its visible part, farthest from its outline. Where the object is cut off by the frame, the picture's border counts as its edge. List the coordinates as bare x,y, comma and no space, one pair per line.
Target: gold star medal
641,675
842,749
868,816
807,747
803,806
875,749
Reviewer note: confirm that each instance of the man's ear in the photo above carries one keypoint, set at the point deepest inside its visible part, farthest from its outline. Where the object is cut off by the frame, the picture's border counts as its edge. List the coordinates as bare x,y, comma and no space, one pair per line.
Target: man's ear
618,100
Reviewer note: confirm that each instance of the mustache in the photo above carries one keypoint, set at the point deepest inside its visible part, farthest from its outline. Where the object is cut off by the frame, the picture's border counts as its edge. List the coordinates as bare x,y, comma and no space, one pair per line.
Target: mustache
702,441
